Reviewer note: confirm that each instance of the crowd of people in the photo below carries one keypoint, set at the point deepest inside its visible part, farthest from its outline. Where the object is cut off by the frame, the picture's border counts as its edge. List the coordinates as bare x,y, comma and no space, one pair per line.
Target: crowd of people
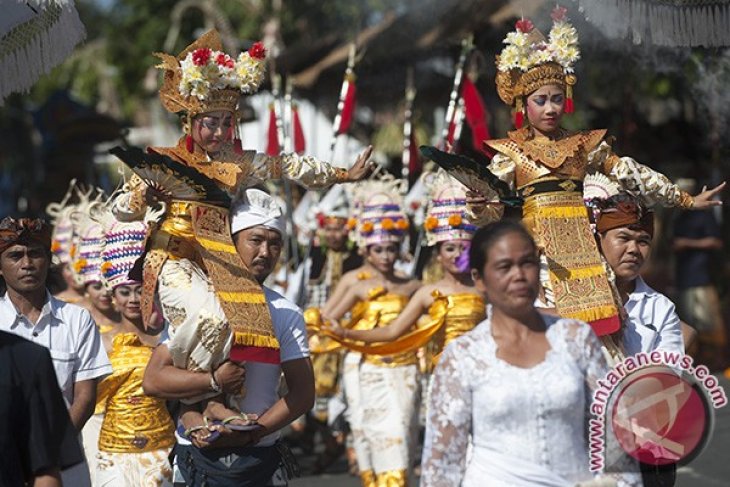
179,357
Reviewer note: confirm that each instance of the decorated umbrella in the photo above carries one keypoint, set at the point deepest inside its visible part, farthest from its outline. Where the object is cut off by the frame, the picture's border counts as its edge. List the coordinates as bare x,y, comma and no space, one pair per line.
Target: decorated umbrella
662,22
35,36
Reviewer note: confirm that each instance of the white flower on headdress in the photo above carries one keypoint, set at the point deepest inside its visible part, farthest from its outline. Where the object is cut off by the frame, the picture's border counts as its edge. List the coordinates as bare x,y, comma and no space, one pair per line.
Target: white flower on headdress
564,44
509,58
562,47
250,72
563,30
204,70
518,39
567,57
539,54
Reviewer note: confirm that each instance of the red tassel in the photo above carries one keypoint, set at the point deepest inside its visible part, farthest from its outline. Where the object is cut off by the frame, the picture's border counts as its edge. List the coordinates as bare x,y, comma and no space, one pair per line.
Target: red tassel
348,108
450,133
476,114
414,159
237,146
300,144
273,148
189,144
569,108
519,119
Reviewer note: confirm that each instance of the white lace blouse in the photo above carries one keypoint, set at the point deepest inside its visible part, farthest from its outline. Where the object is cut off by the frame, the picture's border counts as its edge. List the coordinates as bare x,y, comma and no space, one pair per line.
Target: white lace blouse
526,426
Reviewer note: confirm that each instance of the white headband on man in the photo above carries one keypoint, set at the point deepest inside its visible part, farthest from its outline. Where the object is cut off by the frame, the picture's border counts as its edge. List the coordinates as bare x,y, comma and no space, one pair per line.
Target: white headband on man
257,208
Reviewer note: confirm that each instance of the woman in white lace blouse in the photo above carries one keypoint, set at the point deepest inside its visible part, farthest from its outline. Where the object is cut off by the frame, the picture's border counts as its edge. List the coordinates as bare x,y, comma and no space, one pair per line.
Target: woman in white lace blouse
517,387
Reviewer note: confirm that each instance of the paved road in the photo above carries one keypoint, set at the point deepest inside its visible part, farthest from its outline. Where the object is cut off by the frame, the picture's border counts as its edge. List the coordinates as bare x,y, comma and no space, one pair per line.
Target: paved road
710,469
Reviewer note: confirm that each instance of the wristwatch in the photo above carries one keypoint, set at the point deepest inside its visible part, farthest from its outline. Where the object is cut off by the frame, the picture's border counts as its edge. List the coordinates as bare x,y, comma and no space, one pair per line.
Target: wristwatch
214,386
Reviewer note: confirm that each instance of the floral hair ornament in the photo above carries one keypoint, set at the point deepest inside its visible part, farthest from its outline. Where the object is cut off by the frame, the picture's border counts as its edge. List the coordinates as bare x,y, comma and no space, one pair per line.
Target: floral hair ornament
203,78
529,61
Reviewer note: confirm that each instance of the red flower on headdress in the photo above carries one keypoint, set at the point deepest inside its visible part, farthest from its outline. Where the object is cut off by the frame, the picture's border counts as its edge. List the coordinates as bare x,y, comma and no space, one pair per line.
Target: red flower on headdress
321,220
558,13
415,205
257,51
524,26
224,60
201,56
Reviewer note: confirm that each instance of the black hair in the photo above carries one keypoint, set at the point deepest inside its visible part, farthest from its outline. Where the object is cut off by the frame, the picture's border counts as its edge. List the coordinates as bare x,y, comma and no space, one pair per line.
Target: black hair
488,235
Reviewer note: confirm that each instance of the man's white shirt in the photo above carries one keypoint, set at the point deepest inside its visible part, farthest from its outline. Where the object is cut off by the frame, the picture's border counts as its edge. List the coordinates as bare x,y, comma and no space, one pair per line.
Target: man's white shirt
70,335
653,323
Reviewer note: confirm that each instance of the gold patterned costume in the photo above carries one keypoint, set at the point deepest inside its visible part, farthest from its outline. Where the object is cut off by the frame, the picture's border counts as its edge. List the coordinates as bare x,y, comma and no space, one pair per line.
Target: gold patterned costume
548,174
137,432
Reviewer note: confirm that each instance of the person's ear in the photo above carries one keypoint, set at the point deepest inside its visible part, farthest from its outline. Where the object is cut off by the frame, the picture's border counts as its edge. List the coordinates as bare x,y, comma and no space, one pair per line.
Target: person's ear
478,281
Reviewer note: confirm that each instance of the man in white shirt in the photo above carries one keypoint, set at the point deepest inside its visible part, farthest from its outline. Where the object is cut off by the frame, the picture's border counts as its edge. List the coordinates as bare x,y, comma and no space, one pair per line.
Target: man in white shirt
28,310
625,232
245,458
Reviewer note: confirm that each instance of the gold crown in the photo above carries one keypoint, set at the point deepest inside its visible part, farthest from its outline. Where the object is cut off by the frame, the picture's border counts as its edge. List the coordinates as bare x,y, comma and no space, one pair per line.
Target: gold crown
514,83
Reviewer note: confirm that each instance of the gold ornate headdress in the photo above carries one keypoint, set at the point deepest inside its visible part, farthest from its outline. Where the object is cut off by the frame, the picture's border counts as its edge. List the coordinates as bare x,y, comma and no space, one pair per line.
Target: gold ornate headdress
530,61
203,79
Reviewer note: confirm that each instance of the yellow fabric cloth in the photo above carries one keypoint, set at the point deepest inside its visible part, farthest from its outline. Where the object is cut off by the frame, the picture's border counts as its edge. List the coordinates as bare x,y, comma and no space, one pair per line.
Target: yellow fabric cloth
578,278
449,317
133,422
378,310
392,478
102,388
463,312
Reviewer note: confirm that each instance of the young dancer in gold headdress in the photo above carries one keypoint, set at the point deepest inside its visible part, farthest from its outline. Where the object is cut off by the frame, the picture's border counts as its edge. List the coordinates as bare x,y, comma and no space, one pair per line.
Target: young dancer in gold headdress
216,310
546,165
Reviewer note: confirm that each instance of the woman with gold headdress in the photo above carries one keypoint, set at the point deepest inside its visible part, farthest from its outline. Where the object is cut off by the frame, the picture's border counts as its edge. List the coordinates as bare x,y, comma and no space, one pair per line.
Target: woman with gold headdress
452,304
382,392
546,165
192,274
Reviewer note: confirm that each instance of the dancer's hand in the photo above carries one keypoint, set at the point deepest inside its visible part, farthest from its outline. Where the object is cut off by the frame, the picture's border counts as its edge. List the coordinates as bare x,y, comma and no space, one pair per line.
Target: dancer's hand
362,168
704,200
230,377
333,326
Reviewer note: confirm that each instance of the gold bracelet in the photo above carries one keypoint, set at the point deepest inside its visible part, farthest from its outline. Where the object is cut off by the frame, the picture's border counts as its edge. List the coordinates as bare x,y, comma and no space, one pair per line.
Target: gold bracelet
341,175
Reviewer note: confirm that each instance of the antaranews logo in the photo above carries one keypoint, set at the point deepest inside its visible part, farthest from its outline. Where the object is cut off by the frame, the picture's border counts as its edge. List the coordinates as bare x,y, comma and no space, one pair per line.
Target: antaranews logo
657,406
